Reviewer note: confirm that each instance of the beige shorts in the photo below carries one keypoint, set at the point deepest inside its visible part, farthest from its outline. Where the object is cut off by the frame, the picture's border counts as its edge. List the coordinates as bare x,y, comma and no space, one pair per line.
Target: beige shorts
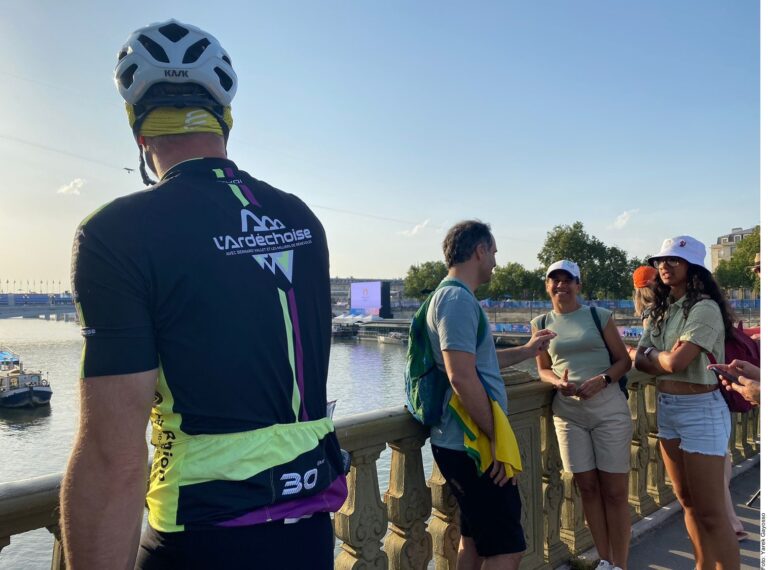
594,433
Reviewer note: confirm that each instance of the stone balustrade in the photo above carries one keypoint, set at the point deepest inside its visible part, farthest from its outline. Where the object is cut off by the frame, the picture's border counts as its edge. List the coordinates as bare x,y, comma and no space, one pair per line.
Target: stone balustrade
416,519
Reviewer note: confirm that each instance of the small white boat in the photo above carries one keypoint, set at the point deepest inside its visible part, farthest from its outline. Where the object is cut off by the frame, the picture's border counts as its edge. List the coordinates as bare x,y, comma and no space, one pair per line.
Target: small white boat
393,338
21,388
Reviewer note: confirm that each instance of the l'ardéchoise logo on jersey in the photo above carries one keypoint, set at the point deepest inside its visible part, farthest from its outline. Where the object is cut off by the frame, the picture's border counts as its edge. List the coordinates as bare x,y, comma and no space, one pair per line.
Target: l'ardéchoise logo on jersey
267,240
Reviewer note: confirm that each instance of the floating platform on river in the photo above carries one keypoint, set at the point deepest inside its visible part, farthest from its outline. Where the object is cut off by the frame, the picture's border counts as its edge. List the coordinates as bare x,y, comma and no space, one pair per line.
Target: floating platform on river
21,388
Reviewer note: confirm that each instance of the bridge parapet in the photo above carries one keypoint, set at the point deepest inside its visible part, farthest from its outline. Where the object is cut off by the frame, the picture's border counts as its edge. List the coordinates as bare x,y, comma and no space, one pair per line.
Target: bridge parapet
416,519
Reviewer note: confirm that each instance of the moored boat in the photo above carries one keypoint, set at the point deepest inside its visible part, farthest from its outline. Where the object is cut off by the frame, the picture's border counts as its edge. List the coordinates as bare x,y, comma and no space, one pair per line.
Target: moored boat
21,388
393,338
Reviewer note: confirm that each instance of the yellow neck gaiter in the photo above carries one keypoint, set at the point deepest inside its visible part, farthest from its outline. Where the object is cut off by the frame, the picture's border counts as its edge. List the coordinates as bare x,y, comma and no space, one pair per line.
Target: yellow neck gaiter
172,121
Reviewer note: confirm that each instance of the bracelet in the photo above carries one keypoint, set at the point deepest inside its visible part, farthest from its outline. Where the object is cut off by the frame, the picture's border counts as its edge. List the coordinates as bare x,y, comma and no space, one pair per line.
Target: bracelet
648,351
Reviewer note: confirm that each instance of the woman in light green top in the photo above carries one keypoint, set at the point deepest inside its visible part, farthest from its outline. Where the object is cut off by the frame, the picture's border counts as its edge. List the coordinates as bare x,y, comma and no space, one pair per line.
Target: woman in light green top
690,318
591,416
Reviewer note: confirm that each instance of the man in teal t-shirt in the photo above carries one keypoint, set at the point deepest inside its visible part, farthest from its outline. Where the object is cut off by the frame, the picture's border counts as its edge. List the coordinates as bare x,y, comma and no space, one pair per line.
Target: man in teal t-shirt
489,504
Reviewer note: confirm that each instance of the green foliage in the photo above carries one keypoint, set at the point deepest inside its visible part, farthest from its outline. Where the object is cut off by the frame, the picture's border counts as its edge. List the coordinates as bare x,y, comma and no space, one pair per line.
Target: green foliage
513,281
736,273
423,278
606,272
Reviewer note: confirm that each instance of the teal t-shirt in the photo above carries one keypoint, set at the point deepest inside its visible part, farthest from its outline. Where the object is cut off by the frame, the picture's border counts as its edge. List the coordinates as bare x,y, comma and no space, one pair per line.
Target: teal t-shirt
578,345
452,321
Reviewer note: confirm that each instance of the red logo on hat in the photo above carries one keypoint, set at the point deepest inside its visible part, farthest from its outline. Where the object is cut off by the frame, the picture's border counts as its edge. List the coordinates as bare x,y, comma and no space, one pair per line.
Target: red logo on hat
682,243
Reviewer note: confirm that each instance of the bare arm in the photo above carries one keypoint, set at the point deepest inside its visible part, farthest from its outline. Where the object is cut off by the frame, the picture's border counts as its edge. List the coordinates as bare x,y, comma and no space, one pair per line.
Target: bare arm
748,388
546,374
621,362
742,368
102,494
666,361
460,367
538,342
462,374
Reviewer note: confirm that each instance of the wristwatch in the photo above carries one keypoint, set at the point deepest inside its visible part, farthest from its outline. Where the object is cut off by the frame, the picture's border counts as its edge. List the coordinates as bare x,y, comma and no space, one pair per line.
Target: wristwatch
648,351
607,379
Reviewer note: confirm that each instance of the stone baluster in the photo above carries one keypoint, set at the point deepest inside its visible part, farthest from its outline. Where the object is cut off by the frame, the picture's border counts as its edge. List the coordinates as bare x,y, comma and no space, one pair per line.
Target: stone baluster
444,526
555,550
738,441
408,502
639,499
659,487
748,423
573,531
752,420
57,557
361,522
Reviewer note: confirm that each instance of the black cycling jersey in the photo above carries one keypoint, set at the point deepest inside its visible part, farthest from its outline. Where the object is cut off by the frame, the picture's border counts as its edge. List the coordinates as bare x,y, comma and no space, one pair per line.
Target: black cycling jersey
221,282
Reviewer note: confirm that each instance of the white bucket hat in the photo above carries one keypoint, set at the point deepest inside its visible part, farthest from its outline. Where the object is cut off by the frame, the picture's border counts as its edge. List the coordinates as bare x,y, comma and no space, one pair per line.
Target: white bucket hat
565,265
684,247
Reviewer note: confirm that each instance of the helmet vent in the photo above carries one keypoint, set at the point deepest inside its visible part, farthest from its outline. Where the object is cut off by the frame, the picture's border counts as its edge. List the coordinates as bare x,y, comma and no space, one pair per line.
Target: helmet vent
173,32
126,77
122,54
194,51
226,58
154,48
226,80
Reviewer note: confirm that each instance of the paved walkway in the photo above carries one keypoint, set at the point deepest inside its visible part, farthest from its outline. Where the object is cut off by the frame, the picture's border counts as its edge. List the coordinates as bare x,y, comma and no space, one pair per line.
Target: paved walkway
661,543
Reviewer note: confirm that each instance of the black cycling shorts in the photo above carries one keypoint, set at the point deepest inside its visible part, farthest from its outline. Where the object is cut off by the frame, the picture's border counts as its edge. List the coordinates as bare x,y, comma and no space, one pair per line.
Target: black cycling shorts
307,543
490,515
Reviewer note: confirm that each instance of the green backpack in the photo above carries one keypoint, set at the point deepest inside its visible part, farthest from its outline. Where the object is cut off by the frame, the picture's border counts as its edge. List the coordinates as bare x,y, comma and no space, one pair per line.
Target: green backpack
425,383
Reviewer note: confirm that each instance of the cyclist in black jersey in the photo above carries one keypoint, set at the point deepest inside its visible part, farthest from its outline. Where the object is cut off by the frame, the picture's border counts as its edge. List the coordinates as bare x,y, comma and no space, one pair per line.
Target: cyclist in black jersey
205,308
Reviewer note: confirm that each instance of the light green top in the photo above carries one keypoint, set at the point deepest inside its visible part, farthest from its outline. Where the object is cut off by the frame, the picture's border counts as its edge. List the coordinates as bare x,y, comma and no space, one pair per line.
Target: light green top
578,345
703,327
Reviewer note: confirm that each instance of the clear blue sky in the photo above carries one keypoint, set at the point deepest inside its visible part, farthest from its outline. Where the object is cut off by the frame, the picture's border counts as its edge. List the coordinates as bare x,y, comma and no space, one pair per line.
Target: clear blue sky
522,114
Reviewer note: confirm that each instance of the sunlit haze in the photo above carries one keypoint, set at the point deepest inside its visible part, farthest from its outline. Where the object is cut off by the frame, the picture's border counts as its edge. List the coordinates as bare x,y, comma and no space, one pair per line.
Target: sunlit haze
393,120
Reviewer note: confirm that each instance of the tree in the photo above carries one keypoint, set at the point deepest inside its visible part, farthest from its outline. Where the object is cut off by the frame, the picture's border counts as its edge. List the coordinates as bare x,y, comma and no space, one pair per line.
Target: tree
516,282
423,278
605,270
736,273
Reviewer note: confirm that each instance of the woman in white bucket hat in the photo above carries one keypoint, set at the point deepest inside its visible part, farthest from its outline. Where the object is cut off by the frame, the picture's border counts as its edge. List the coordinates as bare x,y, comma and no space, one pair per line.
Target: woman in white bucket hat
690,318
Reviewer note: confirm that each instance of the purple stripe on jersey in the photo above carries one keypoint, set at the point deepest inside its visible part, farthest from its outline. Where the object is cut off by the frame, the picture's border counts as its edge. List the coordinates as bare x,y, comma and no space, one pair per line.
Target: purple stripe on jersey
229,172
327,501
248,194
299,351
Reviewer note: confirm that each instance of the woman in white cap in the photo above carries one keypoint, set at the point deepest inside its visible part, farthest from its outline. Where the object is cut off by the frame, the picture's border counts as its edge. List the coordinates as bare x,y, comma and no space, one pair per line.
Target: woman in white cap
688,319
584,363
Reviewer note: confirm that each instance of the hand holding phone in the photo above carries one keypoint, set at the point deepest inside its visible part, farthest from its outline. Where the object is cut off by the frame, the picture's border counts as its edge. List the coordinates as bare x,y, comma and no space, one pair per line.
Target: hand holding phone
724,373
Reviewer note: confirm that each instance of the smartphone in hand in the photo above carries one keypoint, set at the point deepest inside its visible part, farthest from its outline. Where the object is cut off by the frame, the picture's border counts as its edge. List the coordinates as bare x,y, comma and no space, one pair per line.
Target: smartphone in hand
725,374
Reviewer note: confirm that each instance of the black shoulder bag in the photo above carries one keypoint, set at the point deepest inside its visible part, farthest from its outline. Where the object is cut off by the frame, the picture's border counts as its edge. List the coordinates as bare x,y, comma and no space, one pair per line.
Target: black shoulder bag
623,379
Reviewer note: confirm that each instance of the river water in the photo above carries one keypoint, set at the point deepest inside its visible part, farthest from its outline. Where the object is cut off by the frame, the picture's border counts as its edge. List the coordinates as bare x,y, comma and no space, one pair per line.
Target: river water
363,376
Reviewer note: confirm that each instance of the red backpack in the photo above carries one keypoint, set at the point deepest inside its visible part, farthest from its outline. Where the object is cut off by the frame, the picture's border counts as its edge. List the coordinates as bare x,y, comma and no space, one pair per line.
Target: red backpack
739,346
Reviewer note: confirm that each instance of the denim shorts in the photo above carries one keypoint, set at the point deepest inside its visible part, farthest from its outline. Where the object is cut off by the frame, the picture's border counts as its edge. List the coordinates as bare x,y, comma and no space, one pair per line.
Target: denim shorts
701,422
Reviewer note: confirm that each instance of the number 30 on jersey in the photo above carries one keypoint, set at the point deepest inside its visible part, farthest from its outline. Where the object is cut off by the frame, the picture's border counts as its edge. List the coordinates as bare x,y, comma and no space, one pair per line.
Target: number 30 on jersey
295,483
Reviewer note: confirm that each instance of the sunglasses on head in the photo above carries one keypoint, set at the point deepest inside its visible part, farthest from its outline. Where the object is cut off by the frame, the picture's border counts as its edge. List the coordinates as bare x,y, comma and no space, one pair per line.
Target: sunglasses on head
670,261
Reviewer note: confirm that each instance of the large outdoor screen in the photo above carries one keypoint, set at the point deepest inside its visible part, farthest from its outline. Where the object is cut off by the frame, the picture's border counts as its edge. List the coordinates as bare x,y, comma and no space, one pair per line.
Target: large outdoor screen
365,298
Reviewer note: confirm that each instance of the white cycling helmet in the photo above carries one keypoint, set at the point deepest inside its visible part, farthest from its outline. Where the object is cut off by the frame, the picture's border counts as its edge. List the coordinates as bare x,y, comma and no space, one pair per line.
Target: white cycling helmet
173,53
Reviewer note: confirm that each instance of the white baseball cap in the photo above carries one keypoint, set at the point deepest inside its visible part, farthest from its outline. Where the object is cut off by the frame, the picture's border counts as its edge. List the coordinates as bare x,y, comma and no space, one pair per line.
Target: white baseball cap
565,265
684,247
